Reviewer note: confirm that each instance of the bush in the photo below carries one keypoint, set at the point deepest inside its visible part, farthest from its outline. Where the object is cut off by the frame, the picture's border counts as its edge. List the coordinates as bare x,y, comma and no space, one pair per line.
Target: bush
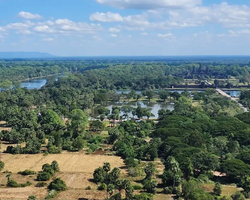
48,168
144,196
52,194
32,197
88,188
130,162
27,172
43,176
238,196
25,184
137,187
136,171
1,165
54,150
168,190
41,184
13,183
57,184
246,194
103,186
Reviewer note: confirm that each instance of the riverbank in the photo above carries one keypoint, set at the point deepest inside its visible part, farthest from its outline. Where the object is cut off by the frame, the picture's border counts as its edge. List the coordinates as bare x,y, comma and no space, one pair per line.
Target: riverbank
33,78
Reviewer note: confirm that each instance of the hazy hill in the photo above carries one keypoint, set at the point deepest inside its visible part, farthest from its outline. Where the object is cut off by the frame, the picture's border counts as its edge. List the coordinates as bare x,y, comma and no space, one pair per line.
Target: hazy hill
10,55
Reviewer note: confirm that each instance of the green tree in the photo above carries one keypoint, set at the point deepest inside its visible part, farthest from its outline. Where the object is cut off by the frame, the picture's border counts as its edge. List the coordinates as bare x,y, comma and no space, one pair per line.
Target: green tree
238,196
55,166
149,170
106,167
164,95
217,189
150,186
79,122
57,184
110,189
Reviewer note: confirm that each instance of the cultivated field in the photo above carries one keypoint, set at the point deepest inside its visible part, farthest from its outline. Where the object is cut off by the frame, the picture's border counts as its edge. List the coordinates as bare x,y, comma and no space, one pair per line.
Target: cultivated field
76,170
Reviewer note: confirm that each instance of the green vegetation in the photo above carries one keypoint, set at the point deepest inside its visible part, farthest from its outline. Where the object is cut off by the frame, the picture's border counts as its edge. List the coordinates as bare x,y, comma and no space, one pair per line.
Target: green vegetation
204,135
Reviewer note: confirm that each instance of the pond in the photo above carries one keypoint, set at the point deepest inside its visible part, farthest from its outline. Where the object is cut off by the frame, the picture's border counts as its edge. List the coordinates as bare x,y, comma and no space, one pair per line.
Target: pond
37,83
153,107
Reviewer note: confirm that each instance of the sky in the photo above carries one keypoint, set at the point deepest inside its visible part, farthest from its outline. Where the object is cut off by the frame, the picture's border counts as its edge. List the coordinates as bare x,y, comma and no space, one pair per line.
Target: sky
126,27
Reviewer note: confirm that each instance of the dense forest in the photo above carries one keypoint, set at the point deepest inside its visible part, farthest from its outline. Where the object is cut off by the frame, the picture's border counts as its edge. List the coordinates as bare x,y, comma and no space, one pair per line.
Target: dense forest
203,141
186,68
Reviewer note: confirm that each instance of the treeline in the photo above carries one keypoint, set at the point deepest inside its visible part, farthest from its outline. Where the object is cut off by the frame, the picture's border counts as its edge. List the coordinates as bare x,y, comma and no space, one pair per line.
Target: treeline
20,70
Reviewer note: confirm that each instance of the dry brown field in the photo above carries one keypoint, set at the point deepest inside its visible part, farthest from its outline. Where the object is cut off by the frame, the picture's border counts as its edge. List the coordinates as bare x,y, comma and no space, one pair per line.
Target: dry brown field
76,170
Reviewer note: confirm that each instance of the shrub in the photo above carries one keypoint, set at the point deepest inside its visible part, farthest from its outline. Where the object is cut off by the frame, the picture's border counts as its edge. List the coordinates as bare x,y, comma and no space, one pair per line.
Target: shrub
1,165
130,162
168,190
103,186
55,166
13,183
48,168
27,172
43,176
54,150
57,184
32,197
25,184
137,187
88,188
136,171
52,194
41,184
144,196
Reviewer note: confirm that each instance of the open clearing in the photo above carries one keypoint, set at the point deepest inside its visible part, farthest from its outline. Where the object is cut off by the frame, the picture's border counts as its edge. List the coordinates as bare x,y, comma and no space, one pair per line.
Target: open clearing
76,170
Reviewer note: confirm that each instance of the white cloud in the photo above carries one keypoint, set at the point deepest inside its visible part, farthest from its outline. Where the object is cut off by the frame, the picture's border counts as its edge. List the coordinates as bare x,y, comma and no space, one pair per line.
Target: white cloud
113,35
28,15
2,29
48,39
144,34
106,17
114,30
239,33
24,32
167,36
17,26
44,28
149,4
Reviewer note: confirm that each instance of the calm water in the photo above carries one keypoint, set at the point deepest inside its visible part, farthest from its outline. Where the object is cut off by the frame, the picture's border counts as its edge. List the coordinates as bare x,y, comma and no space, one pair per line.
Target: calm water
37,83
153,107
34,84
233,93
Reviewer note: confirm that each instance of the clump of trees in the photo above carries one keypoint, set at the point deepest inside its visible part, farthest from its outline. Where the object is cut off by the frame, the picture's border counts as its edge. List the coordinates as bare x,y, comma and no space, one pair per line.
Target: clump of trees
47,171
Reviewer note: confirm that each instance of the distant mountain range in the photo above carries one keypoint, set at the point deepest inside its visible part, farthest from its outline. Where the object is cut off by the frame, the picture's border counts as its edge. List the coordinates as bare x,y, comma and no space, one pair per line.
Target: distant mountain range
23,55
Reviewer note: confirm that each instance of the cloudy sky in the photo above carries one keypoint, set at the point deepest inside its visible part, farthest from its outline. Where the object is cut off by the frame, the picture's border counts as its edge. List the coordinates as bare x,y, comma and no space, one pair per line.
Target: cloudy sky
126,27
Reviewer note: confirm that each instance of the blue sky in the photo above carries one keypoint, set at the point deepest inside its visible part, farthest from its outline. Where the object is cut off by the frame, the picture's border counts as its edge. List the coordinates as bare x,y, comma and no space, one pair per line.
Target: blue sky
126,27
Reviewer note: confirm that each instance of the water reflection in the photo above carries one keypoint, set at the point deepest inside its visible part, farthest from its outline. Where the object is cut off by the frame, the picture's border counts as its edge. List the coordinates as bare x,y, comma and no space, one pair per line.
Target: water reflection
153,107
